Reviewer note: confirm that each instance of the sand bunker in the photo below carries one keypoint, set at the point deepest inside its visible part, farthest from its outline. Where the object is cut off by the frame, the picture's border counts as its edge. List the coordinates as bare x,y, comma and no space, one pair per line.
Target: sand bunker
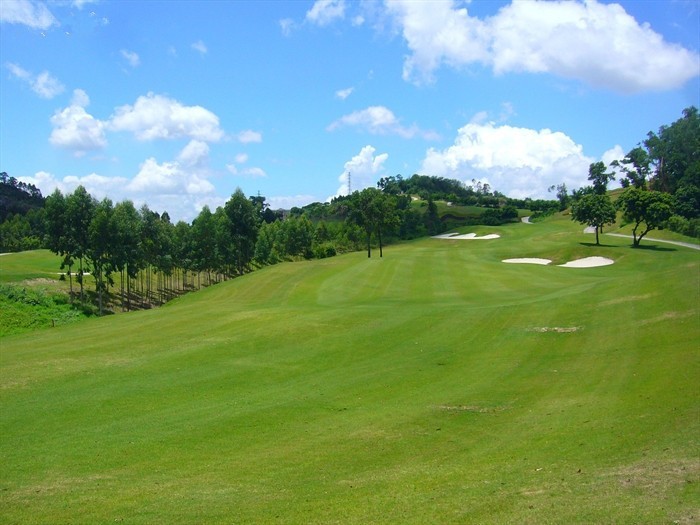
466,236
527,260
588,262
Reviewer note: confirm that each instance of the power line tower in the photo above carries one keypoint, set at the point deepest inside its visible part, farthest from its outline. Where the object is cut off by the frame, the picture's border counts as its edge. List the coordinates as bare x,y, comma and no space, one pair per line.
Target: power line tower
349,183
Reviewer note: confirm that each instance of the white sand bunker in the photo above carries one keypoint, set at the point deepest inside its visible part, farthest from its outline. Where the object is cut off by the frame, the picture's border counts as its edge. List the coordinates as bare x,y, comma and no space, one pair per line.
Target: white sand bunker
588,262
527,260
466,236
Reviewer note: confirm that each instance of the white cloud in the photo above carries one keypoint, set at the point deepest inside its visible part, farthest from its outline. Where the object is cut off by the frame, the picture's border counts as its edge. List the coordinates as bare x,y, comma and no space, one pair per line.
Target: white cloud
342,94
43,84
195,154
379,120
363,170
323,12
253,172
98,186
200,47
290,201
131,57
187,175
75,129
247,136
519,162
437,33
32,14
158,117
242,158
287,25
599,44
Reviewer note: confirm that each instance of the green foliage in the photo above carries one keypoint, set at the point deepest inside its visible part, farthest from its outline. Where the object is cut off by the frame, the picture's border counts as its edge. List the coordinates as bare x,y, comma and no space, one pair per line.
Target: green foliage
25,308
646,209
594,210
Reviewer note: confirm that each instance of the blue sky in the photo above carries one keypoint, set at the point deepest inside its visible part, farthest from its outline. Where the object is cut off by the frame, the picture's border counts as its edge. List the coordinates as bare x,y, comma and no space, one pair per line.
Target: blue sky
176,104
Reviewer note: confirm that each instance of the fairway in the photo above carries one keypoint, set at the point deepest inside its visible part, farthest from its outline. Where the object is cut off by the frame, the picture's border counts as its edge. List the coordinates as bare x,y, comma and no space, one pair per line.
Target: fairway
434,385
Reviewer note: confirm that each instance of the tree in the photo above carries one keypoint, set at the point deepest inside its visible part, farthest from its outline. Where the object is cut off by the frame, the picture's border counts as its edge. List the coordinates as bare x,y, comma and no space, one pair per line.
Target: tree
387,216
636,166
594,210
101,237
646,209
244,221
562,195
126,249
675,153
599,178
80,206
365,213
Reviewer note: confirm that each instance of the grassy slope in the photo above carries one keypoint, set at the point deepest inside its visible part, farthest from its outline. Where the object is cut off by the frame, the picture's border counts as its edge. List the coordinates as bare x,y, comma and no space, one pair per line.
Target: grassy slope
412,389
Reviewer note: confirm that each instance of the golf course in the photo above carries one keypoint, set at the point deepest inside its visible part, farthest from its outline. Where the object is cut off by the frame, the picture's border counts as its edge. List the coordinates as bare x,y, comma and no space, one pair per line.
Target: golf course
436,384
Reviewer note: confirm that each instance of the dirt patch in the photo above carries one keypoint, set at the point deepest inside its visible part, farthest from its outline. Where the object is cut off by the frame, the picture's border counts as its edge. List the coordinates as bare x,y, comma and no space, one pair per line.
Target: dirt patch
666,316
476,409
556,329
656,478
627,299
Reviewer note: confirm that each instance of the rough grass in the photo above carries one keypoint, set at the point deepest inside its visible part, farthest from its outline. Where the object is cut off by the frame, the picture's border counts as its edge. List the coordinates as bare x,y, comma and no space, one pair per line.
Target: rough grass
417,388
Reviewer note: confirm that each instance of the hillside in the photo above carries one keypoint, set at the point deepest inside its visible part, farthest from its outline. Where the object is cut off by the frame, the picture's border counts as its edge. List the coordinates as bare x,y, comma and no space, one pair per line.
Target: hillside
434,385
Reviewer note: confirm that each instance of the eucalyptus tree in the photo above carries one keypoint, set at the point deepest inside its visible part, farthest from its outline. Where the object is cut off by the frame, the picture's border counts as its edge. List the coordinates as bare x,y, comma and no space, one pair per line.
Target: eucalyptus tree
203,242
80,207
101,242
126,249
244,223
58,233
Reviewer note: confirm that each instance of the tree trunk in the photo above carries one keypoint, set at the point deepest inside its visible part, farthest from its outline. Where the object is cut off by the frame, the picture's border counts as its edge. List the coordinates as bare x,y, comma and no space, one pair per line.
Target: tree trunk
379,232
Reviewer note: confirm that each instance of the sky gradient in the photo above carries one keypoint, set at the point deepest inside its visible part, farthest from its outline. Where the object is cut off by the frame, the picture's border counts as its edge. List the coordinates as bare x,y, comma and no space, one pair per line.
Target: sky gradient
175,104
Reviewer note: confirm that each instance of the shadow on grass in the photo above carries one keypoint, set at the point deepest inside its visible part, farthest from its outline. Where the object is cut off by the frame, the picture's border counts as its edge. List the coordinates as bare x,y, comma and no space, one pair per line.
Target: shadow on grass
601,245
654,247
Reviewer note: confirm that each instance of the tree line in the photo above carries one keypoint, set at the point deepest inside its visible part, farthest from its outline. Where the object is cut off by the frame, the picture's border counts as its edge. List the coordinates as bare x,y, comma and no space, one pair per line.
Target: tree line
661,181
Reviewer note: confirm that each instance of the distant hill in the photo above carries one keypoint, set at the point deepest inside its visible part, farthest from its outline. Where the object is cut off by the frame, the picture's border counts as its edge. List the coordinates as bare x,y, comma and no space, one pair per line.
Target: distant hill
17,197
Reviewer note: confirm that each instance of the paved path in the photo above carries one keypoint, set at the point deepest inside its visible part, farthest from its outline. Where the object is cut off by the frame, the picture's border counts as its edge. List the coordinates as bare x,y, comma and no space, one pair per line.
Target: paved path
526,220
677,243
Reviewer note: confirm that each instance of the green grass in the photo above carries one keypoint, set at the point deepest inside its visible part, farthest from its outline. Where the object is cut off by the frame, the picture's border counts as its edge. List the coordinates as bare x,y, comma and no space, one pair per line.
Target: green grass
417,388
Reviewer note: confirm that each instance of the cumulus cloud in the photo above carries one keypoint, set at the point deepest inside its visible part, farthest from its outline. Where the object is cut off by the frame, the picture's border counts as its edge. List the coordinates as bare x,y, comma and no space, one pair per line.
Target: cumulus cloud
247,136
43,84
599,44
131,57
519,162
323,12
186,175
75,129
363,169
32,14
98,186
159,117
379,120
